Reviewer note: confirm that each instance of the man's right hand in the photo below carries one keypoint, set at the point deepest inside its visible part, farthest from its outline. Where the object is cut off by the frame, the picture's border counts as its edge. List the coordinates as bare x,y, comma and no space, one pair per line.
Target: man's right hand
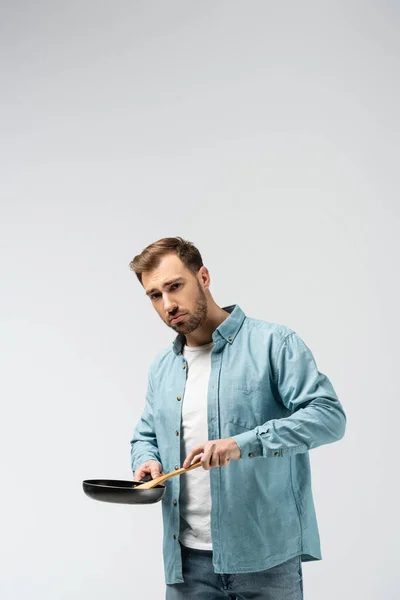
152,467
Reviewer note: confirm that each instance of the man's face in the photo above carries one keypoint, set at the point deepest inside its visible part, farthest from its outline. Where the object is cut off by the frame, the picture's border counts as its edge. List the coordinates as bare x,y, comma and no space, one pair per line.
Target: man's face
174,290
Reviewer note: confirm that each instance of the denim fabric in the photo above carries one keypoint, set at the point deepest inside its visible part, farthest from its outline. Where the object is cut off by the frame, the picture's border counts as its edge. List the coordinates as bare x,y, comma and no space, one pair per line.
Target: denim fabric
282,582
266,392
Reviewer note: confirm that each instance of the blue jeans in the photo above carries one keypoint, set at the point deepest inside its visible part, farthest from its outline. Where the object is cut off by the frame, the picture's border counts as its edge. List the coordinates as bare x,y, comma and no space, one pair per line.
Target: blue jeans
283,582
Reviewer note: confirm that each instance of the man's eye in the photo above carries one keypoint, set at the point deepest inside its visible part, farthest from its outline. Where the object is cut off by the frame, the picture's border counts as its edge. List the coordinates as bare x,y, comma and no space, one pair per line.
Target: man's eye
155,296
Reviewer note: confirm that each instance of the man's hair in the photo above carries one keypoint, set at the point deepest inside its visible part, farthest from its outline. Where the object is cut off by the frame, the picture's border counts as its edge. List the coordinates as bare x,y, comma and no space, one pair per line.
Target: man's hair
151,256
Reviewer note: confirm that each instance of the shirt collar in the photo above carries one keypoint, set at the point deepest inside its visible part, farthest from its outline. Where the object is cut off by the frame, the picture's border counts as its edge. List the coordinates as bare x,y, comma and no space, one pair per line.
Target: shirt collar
227,330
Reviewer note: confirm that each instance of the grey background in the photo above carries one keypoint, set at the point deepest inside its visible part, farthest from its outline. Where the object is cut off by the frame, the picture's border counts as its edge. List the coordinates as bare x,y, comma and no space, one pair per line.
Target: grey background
266,133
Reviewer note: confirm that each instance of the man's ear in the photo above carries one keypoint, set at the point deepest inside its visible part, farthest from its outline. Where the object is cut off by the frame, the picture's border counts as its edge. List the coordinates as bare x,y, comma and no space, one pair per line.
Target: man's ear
205,276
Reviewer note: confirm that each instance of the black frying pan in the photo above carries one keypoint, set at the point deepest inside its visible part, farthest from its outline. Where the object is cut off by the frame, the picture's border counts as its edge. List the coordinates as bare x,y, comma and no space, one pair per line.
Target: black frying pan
122,492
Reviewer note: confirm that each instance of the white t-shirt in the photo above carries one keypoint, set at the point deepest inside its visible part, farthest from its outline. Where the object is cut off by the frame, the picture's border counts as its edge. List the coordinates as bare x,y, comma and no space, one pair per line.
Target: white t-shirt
195,495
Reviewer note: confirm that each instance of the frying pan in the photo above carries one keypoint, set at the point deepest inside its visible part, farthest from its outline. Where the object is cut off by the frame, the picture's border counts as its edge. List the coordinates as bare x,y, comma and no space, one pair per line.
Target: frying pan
124,492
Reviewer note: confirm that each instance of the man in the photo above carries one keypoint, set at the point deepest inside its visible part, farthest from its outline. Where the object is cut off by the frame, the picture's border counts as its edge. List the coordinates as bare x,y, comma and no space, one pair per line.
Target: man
245,397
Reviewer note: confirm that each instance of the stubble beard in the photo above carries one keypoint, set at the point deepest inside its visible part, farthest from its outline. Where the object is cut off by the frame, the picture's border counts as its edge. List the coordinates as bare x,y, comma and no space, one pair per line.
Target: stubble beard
196,318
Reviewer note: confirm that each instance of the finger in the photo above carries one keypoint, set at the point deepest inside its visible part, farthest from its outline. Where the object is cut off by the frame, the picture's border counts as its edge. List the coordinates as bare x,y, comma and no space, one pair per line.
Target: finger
155,472
191,454
206,460
215,460
195,460
143,470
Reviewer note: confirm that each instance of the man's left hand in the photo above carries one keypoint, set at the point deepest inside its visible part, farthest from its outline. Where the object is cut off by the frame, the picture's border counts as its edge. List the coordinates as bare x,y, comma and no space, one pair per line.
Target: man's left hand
216,453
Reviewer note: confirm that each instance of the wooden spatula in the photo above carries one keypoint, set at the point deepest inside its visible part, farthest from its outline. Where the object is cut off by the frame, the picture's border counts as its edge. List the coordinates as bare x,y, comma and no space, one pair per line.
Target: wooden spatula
162,478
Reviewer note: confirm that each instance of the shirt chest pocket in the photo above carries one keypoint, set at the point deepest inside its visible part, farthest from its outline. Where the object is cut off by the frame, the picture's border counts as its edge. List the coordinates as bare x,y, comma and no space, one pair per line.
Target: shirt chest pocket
246,403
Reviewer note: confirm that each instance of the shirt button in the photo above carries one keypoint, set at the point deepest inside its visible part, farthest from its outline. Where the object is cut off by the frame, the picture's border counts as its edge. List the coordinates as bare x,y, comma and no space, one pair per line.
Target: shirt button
176,432
175,503
276,453
229,339
178,397
174,537
251,454
183,366
176,467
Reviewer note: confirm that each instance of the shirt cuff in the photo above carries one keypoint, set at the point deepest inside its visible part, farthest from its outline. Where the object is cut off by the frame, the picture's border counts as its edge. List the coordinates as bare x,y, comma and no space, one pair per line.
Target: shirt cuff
249,444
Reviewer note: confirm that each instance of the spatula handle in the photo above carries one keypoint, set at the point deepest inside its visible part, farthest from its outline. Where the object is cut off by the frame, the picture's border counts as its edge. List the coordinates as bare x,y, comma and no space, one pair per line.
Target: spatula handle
163,478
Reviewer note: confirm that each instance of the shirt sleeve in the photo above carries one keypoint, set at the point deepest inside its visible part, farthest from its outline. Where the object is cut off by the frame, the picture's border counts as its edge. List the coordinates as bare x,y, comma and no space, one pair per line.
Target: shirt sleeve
144,441
317,417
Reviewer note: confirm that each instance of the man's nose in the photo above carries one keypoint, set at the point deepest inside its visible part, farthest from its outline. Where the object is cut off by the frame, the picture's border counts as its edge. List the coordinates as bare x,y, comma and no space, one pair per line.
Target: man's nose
169,305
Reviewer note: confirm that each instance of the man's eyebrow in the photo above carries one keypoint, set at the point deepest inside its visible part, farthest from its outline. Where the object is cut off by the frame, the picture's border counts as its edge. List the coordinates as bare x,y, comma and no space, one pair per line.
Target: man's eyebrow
166,284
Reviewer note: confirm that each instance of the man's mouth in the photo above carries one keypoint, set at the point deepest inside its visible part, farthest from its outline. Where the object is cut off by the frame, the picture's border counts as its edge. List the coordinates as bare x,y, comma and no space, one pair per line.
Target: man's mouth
177,318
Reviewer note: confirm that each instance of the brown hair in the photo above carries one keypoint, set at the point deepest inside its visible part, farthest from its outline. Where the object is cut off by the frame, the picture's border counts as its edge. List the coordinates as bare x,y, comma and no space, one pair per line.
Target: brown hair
152,254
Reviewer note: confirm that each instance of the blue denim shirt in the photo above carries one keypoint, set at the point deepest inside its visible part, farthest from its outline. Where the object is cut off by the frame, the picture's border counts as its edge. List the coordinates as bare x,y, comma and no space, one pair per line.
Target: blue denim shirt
265,391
